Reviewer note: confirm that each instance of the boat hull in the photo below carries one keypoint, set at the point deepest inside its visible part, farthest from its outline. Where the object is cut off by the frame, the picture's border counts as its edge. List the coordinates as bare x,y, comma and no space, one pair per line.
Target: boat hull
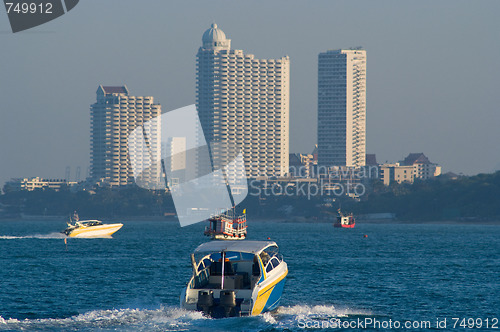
344,226
95,231
268,297
218,236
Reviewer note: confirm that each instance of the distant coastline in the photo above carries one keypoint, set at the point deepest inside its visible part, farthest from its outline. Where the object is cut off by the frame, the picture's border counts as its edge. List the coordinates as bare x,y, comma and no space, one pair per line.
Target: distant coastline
292,220
466,200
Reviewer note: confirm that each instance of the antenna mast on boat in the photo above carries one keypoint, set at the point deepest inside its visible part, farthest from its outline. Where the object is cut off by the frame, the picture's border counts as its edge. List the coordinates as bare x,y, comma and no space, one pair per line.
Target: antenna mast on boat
223,258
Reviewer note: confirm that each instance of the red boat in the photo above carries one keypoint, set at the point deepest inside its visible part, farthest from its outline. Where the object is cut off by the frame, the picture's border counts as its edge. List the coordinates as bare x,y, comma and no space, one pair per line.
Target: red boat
227,226
344,221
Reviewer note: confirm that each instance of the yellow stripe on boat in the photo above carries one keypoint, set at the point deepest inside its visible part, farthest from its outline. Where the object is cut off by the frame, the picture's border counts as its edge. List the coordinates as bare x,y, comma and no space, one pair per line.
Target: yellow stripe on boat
264,294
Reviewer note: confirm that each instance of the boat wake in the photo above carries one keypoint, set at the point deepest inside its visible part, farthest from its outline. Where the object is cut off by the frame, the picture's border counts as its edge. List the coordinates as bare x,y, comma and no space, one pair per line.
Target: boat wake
170,319
294,317
54,235
324,311
176,319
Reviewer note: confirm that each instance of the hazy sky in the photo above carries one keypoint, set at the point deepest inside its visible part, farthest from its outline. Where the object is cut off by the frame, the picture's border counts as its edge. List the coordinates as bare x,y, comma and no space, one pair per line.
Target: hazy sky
432,71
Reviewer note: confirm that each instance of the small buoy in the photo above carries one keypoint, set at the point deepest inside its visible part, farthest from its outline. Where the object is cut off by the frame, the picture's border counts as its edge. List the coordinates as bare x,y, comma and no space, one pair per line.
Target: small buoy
269,238
365,235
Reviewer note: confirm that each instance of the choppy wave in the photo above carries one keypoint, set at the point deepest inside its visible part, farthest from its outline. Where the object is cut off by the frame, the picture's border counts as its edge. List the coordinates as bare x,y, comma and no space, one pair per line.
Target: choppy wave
176,319
173,319
54,235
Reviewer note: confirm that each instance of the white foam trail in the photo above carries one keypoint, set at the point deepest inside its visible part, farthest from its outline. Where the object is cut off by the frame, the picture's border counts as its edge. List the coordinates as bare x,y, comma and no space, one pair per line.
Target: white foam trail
7,321
289,318
321,310
6,237
54,235
177,319
124,318
268,318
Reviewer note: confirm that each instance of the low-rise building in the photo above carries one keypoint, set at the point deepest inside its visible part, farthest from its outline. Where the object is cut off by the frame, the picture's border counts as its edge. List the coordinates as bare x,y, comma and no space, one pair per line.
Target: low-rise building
30,184
396,172
422,167
414,166
301,165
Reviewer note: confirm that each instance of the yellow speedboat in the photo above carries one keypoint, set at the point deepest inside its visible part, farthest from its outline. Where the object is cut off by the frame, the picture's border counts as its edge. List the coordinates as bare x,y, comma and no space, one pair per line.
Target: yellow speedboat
90,228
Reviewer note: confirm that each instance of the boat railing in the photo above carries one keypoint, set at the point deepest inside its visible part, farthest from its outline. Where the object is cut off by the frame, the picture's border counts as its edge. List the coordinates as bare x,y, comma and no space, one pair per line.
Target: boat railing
238,220
229,227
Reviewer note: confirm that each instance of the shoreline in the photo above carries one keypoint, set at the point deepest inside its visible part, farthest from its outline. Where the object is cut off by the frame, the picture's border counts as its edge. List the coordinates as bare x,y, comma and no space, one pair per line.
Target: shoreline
293,220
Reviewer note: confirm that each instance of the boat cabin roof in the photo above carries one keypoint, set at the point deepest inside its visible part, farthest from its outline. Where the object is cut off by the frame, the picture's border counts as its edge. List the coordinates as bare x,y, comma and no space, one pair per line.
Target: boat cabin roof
254,247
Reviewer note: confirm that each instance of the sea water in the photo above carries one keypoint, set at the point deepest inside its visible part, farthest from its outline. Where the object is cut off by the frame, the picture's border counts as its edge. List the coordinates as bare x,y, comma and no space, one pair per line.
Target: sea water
375,273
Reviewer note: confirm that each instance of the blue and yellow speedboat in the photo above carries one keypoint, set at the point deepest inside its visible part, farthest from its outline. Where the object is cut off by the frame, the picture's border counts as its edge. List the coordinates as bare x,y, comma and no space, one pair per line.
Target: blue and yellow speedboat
235,278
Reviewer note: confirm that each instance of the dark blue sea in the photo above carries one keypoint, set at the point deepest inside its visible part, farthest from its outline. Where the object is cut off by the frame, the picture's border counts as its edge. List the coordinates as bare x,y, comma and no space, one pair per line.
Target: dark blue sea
399,273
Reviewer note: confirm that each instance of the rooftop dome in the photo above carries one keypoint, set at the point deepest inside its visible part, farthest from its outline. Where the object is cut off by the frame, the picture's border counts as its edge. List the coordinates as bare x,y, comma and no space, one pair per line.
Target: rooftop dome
215,38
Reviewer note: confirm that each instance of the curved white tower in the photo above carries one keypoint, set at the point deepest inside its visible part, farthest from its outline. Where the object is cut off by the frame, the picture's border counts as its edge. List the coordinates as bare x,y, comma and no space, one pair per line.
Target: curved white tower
244,102
215,39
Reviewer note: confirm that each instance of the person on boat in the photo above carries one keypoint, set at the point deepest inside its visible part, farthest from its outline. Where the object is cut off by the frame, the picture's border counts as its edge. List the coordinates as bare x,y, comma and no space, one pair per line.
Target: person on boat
255,267
264,256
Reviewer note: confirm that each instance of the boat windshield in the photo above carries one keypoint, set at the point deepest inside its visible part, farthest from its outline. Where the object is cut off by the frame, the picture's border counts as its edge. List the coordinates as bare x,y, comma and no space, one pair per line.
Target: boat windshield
271,258
241,271
91,223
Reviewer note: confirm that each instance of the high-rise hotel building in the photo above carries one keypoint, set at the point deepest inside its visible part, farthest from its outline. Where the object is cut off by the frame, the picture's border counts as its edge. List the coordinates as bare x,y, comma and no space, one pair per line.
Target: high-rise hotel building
342,108
243,102
113,117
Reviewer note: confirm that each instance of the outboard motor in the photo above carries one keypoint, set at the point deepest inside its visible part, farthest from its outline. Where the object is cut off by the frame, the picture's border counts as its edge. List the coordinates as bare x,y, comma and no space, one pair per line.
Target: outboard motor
206,301
228,301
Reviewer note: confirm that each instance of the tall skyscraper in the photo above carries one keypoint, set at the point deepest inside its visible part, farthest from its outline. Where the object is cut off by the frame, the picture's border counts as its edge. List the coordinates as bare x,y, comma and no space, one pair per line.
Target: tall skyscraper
244,102
342,108
113,117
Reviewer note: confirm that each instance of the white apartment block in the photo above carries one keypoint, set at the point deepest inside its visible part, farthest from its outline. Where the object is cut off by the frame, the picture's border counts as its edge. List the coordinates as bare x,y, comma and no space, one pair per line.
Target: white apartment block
342,108
113,117
426,171
243,102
